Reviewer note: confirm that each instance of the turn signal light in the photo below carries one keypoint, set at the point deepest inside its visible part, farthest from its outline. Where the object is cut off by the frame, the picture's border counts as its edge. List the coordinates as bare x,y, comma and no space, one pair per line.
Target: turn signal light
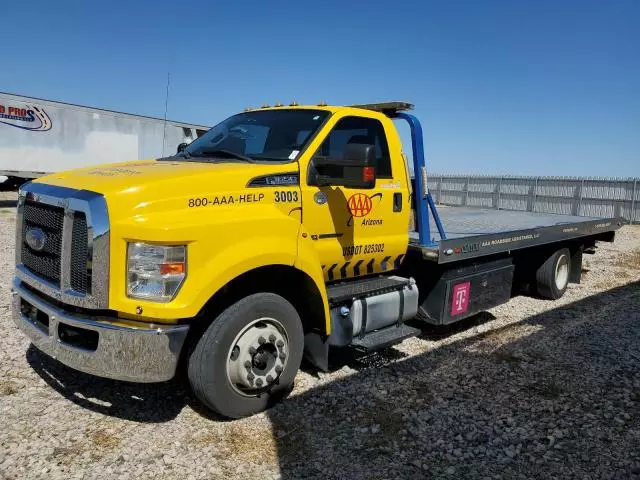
171,268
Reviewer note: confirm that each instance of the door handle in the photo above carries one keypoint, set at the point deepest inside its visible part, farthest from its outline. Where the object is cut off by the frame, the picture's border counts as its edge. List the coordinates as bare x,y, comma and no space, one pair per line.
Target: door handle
397,202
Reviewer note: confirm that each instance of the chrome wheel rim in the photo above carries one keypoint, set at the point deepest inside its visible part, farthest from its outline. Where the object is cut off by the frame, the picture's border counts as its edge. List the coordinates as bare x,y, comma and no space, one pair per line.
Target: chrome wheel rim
562,272
257,357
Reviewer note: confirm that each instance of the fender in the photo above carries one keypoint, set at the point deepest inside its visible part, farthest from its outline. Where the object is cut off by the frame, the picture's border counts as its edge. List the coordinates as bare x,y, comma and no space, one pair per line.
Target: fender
309,262
214,259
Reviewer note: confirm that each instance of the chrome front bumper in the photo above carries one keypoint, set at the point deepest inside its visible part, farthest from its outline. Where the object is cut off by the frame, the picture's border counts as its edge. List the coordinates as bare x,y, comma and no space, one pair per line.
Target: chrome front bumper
131,351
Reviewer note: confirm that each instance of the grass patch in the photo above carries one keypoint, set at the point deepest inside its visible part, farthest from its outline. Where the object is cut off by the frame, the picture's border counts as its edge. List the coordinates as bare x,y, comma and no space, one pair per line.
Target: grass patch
423,390
630,261
104,440
507,357
100,443
7,387
549,390
253,443
63,455
383,413
628,268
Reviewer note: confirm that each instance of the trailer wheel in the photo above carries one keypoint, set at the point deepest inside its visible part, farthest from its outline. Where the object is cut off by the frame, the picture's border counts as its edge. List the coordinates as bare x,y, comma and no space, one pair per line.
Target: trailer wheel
248,357
553,275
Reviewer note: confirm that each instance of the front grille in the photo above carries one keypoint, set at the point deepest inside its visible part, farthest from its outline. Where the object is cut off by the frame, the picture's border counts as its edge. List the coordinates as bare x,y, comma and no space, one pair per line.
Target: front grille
46,263
49,219
80,274
67,254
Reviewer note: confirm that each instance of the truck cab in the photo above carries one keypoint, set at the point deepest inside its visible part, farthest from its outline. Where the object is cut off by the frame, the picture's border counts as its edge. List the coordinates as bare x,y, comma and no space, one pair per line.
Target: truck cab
281,232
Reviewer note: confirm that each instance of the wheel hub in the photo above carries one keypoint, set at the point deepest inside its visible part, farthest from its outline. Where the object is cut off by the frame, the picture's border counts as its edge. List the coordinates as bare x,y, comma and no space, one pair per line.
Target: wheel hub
562,272
265,358
258,356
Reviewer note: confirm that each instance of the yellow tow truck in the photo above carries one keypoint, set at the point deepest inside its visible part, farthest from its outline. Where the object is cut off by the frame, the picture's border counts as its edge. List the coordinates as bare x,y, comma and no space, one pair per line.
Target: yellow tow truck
281,232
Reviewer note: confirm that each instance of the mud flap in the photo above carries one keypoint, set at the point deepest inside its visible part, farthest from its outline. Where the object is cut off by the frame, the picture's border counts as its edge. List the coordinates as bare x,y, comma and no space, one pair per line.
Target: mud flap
316,350
575,270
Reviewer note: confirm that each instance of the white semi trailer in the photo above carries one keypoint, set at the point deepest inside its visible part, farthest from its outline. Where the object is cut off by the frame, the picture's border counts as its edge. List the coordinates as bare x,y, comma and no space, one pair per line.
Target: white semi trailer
42,136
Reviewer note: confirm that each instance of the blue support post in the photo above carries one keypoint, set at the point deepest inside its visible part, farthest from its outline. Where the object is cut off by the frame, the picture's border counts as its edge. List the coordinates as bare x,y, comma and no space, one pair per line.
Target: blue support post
436,216
423,199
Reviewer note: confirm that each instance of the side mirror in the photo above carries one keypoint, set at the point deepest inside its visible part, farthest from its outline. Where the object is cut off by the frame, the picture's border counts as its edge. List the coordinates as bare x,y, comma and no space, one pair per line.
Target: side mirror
181,147
355,170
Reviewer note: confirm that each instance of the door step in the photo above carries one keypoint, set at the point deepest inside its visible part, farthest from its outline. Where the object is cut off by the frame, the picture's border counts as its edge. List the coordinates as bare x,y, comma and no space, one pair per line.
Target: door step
384,337
367,287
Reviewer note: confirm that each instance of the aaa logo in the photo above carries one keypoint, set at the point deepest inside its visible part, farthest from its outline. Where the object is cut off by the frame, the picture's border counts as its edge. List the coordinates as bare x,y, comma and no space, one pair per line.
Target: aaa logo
359,205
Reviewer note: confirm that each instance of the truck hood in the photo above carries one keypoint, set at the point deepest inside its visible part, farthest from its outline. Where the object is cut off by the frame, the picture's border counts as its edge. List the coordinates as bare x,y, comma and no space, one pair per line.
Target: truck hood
182,175
149,186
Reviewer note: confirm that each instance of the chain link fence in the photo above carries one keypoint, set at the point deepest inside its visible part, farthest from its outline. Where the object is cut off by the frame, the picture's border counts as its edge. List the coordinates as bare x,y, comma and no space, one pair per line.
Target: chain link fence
584,196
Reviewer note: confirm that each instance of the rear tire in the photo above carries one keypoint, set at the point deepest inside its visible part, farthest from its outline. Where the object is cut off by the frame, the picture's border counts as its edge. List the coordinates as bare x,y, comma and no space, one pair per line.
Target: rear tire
248,357
553,275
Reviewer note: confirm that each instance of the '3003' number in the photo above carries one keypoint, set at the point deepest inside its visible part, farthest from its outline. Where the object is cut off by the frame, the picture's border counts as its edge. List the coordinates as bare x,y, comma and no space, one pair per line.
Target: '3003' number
287,196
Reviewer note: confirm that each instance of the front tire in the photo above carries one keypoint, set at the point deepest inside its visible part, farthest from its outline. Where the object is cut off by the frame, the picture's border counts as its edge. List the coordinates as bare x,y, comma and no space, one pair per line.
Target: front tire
553,275
248,357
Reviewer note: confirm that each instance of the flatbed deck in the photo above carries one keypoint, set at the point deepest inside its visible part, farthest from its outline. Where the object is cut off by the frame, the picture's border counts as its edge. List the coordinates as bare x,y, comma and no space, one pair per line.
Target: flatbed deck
476,232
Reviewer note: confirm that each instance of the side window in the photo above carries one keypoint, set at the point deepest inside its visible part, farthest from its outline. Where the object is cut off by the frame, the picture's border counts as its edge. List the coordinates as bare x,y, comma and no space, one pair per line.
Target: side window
359,130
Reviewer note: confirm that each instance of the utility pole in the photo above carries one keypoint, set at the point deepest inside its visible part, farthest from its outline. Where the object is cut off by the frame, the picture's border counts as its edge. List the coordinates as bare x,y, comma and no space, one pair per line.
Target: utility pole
166,105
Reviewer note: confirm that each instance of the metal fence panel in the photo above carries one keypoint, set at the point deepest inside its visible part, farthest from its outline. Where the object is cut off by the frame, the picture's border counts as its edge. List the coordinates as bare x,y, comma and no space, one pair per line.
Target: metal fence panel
452,198
548,204
481,199
510,201
636,199
584,196
484,185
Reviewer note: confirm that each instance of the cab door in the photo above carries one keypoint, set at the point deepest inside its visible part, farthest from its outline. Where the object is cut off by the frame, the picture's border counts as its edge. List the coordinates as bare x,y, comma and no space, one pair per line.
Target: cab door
358,232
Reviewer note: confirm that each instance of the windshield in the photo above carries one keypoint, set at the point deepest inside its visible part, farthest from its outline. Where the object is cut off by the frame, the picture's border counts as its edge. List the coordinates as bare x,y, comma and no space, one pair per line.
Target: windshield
268,135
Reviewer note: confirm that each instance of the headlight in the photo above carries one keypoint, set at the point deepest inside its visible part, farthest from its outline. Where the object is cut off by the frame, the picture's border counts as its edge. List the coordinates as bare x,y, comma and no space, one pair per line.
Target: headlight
155,272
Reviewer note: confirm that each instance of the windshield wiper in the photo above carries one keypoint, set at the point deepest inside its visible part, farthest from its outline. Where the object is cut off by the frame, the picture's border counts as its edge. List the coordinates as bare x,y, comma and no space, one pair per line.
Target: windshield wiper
223,153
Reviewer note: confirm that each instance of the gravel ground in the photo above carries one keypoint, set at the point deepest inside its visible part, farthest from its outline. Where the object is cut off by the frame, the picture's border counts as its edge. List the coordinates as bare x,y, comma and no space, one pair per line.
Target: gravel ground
531,389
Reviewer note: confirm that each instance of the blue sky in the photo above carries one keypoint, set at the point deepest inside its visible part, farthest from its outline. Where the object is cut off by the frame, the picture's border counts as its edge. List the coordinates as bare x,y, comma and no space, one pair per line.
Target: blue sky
515,87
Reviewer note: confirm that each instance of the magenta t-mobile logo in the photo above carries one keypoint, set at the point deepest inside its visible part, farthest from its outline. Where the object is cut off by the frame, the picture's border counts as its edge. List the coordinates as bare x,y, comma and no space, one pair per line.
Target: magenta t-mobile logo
460,300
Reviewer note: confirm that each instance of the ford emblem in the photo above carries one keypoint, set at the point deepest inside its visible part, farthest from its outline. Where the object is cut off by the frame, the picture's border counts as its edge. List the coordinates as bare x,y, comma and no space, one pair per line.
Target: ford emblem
36,239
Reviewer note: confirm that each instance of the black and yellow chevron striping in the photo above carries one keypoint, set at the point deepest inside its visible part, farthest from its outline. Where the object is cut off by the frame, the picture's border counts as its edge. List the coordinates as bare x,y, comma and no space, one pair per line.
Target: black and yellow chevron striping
361,267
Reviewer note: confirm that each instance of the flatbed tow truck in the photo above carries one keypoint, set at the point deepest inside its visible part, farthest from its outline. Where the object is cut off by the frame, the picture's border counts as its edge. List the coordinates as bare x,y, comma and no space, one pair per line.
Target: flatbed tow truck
283,231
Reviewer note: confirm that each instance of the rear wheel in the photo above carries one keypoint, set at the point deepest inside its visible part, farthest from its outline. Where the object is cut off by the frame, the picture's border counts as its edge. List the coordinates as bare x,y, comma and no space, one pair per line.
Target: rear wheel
248,357
552,277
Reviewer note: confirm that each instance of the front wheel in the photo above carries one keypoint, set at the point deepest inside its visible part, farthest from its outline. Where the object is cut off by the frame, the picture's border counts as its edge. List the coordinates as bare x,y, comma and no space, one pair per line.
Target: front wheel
248,357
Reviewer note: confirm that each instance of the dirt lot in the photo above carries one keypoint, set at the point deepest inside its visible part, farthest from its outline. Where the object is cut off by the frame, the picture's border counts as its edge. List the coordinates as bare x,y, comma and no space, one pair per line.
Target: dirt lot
532,389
